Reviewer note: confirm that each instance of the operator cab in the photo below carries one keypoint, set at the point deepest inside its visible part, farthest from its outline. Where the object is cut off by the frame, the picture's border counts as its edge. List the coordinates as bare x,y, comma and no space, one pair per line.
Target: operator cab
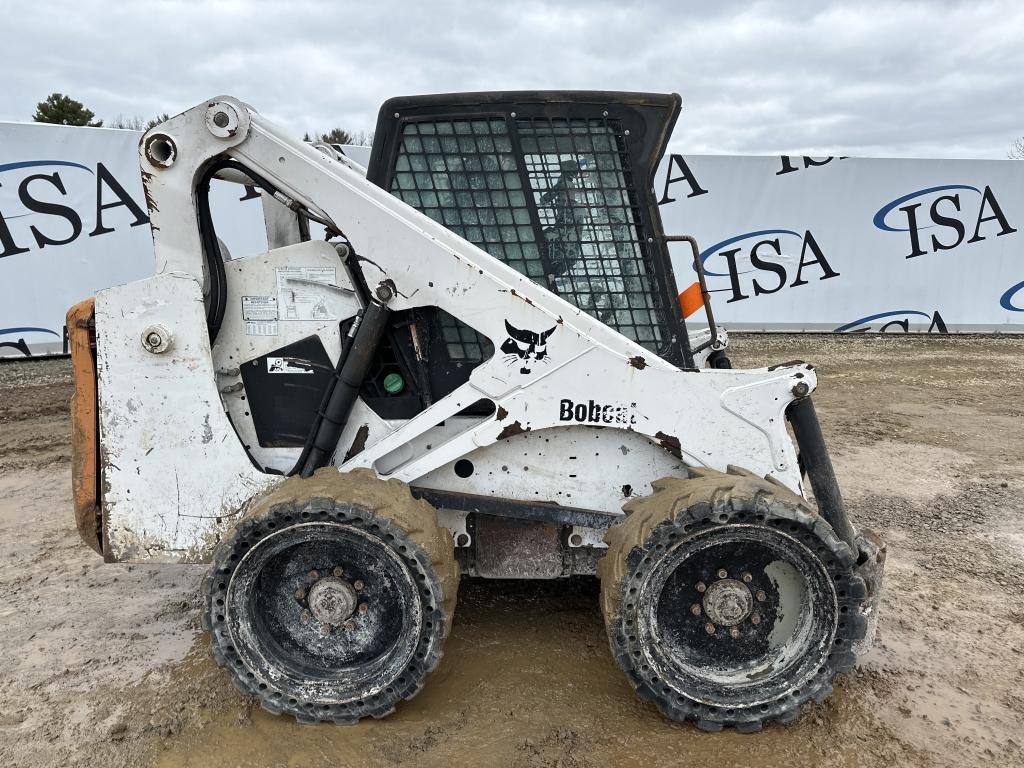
558,186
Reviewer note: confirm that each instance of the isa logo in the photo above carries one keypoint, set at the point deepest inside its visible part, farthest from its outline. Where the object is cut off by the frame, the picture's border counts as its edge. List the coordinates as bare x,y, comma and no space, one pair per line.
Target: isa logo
765,261
894,321
940,218
36,209
1013,299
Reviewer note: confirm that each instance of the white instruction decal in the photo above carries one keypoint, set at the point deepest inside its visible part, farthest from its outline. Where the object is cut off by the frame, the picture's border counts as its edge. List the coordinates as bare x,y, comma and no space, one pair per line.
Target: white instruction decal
301,292
259,307
288,365
260,315
261,329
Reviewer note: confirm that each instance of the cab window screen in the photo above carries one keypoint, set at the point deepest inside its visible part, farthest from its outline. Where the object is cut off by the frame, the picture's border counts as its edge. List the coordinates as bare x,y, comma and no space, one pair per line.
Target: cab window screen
591,233
551,201
464,174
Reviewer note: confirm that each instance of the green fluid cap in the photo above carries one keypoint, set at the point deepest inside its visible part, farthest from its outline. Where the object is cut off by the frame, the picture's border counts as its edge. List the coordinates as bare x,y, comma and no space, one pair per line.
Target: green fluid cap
393,383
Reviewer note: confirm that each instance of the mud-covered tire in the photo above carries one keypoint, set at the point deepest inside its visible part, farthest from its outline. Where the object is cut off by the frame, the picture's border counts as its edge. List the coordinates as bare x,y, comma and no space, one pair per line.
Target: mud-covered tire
662,564
313,548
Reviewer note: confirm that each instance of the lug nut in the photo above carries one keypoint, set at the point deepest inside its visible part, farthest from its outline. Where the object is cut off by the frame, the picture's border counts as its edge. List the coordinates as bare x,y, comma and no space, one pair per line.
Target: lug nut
734,633
300,593
722,573
747,578
761,596
363,607
305,616
358,584
350,625
314,575
338,572
325,629
701,586
695,609
755,619
709,628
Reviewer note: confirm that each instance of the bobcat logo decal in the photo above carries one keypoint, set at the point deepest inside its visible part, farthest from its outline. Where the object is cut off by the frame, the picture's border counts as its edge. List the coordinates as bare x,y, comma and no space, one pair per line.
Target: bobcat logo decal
526,347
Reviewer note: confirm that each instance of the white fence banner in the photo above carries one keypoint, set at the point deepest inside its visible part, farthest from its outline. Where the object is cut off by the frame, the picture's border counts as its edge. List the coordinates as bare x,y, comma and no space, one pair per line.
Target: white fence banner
848,245
788,244
73,221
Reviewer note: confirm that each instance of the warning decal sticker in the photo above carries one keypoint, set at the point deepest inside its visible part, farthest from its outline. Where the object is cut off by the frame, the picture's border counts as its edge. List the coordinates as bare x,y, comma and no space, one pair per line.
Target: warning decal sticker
288,365
302,292
260,315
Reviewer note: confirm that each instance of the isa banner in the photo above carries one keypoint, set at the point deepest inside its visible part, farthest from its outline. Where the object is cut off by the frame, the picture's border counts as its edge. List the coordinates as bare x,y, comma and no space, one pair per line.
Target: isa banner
852,245
73,220
836,244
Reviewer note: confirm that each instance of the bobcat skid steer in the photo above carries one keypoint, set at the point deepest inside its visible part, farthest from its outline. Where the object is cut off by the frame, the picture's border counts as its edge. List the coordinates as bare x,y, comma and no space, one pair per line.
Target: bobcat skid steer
481,368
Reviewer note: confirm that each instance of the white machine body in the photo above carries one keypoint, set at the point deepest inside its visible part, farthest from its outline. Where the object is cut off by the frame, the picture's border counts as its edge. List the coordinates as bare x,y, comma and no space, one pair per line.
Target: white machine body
584,417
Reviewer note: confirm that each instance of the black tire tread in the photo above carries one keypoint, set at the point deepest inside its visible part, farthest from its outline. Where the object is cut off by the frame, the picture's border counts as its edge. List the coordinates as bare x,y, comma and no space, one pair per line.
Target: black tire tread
389,503
703,499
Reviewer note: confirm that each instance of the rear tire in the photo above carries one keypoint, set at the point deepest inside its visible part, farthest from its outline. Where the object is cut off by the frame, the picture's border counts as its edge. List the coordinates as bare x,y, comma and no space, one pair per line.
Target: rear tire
331,599
729,601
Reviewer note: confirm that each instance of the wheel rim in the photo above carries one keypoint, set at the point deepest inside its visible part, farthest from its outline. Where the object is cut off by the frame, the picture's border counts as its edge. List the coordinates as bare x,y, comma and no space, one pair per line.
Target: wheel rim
288,582
737,616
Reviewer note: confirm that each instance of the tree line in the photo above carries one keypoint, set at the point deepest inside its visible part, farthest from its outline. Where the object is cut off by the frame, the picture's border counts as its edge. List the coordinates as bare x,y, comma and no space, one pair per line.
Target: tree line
63,110
60,109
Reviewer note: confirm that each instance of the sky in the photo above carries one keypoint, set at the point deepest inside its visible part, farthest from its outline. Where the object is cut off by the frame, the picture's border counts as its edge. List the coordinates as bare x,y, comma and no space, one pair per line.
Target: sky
882,79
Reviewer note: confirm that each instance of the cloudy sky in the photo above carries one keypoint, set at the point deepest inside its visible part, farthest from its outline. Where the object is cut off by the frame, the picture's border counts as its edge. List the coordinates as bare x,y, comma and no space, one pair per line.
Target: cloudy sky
922,79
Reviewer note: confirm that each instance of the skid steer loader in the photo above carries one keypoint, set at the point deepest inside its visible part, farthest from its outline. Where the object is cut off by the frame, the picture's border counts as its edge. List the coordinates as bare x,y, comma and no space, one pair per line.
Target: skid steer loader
480,368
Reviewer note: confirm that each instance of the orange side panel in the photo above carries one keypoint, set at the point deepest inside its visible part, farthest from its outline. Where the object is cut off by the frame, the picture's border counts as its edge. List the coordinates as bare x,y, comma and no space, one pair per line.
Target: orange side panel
85,444
690,300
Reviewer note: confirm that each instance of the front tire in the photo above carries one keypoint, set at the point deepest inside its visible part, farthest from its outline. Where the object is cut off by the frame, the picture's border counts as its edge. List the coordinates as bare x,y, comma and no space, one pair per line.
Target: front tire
729,601
331,599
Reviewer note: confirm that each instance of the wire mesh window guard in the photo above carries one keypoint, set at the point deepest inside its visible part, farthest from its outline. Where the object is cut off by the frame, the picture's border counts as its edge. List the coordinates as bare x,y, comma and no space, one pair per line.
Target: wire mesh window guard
577,170
553,202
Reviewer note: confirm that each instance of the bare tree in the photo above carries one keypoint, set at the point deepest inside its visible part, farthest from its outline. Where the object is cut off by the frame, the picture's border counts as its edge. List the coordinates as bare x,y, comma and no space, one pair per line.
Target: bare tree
137,123
341,136
125,123
1016,149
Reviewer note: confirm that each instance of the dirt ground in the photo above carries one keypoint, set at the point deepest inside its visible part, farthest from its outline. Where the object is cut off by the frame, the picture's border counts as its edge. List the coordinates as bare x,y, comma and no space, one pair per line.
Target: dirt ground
106,665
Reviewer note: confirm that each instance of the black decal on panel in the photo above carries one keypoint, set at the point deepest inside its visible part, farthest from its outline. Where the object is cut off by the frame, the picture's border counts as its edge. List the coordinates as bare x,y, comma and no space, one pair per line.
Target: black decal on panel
526,346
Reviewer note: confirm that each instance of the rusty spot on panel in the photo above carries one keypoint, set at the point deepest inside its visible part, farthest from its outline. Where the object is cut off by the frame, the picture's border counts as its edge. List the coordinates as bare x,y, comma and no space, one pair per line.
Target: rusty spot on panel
147,177
670,443
501,414
638,362
85,426
515,428
513,292
358,442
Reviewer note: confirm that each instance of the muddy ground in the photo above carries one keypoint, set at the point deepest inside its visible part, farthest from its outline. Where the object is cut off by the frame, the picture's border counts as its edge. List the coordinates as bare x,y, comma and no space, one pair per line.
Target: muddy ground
106,665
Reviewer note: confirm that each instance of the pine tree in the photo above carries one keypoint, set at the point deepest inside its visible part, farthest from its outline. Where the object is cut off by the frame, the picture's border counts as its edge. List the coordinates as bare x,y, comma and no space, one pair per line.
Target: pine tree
335,136
63,110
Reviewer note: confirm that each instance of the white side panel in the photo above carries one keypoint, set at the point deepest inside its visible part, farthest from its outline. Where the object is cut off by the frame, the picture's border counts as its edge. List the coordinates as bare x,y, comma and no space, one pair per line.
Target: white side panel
261,291
585,467
174,473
